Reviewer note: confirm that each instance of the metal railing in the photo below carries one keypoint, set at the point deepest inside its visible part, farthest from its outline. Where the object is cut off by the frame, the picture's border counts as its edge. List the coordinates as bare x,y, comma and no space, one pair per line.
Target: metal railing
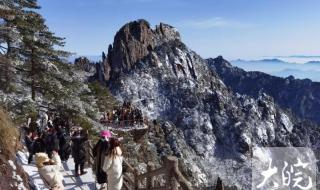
124,123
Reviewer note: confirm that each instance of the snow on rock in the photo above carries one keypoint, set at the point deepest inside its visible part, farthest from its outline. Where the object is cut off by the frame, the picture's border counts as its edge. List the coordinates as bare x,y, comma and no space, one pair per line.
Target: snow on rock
17,180
286,122
209,127
84,182
11,163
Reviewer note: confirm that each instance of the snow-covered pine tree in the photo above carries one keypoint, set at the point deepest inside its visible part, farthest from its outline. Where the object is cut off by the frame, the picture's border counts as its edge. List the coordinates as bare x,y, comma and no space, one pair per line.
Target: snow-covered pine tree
10,38
37,48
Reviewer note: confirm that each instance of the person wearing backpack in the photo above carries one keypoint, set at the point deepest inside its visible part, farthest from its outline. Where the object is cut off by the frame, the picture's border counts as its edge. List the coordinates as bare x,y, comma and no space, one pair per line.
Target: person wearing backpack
99,151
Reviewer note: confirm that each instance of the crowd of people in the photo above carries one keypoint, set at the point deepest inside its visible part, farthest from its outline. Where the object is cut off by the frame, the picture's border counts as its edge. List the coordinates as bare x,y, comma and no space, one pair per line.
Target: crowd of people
48,133
123,116
51,140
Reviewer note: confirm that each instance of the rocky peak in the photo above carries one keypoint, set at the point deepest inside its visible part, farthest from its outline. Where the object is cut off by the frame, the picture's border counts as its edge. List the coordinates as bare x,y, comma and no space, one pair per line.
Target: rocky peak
131,44
81,61
218,61
204,122
167,32
84,64
134,42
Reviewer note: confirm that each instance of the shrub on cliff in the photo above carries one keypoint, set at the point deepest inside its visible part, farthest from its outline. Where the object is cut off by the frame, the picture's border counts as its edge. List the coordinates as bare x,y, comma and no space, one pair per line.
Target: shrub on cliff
9,136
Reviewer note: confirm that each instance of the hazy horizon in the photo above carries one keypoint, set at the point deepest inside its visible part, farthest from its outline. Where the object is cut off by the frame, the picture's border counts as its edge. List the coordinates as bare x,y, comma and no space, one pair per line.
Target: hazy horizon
234,29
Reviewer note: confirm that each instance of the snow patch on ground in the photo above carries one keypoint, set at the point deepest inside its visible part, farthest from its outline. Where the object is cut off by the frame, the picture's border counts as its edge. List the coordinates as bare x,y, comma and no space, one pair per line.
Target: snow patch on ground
286,122
84,182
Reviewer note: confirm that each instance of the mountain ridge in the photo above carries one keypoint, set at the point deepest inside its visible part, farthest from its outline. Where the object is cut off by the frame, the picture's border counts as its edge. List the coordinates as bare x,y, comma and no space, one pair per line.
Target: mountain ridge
302,98
207,125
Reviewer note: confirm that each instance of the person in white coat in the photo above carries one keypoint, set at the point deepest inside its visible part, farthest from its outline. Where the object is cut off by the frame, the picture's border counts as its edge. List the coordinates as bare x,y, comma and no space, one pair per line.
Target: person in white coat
113,166
49,170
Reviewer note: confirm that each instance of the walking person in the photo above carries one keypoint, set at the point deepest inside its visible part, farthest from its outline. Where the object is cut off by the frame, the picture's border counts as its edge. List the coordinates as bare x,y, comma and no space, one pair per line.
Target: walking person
29,143
38,143
113,165
79,151
64,144
52,142
100,150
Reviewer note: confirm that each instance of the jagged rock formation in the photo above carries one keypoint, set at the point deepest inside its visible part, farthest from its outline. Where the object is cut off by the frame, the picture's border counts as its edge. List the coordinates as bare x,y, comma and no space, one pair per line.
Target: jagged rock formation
134,42
84,64
209,127
301,96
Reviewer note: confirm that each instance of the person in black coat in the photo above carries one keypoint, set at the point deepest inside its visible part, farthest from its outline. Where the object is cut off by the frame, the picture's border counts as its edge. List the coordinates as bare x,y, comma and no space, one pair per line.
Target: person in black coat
64,144
79,151
38,144
100,150
29,143
52,142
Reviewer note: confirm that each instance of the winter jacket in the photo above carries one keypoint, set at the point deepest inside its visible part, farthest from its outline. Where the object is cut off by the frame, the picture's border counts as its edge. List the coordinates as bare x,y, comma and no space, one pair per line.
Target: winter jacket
29,144
52,142
38,145
78,149
99,152
64,145
51,173
113,167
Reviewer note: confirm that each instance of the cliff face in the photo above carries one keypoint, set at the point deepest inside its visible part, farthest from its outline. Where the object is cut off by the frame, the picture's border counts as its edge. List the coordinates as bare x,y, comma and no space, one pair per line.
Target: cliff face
209,127
132,43
300,96
11,174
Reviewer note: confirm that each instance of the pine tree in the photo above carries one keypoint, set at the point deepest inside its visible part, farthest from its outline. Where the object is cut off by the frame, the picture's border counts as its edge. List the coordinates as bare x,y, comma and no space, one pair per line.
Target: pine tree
10,10
38,48
7,38
25,37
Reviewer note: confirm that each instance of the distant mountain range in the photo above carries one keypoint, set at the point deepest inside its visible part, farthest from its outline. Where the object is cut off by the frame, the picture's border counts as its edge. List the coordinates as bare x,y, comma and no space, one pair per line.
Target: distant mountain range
300,56
313,62
309,69
290,60
261,60
272,60
299,74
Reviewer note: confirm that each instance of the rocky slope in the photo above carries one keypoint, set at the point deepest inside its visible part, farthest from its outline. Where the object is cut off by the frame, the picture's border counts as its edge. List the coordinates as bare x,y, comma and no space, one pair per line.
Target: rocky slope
12,175
301,96
208,126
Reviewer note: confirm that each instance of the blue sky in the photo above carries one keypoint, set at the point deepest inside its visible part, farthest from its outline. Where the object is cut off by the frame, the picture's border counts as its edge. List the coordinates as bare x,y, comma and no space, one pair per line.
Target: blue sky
233,28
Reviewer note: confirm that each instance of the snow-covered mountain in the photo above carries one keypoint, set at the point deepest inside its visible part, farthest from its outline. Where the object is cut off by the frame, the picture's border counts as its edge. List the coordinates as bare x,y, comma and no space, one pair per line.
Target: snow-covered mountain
211,128
300,96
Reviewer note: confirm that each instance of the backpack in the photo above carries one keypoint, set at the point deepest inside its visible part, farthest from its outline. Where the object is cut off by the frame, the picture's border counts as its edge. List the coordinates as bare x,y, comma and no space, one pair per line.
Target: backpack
38,146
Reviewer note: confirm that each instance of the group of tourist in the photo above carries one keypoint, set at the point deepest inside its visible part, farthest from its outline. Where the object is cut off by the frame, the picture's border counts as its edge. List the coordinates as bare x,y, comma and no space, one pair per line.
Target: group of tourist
123,116
48,133
51,139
